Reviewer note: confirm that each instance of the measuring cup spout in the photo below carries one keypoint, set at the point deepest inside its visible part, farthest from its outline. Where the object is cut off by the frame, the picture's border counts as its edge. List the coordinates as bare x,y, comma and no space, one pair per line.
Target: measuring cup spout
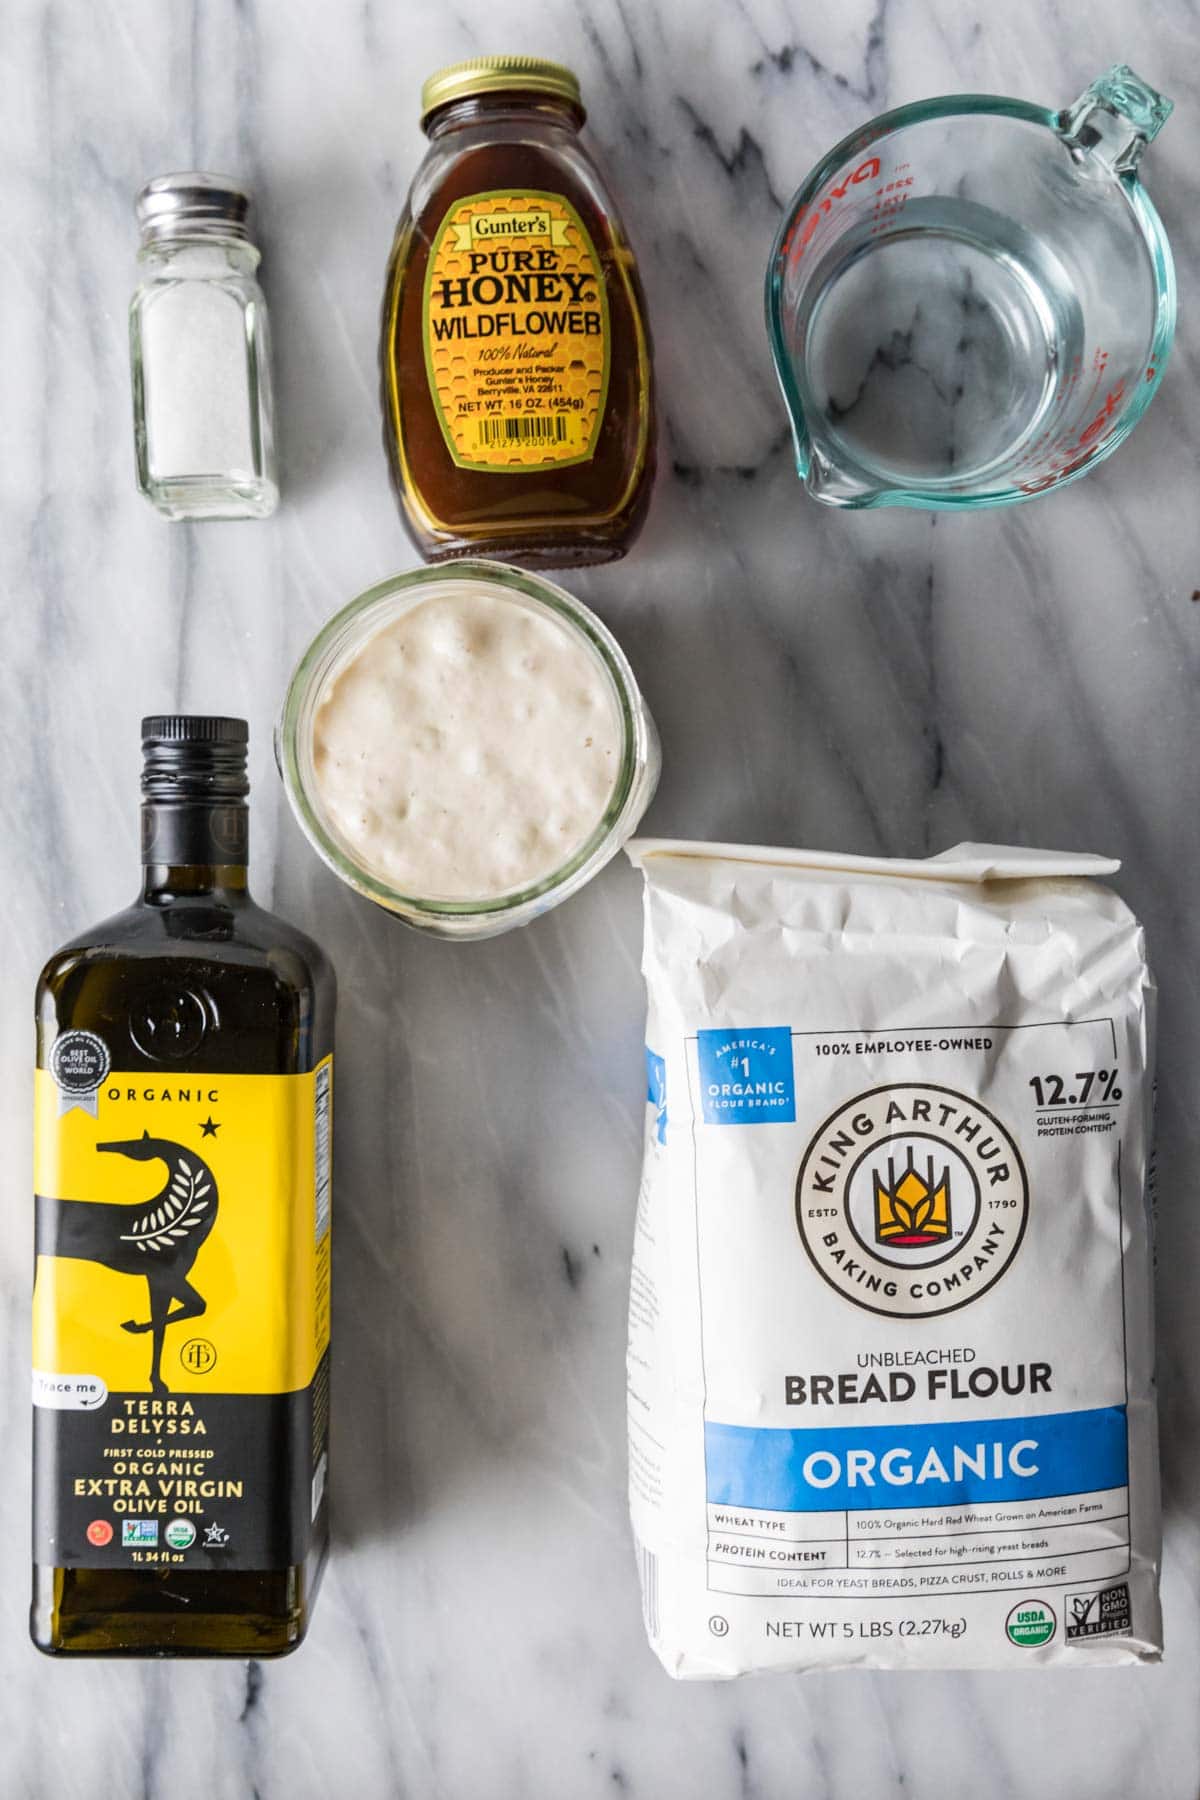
825,479
1112,121
836,486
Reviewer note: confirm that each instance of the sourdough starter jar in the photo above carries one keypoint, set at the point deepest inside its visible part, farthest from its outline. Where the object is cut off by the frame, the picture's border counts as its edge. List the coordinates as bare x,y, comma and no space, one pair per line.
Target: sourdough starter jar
466,745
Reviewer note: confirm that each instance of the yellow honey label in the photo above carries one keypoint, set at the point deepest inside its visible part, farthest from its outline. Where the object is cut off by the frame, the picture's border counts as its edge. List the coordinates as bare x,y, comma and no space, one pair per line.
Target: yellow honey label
182,1235
516,332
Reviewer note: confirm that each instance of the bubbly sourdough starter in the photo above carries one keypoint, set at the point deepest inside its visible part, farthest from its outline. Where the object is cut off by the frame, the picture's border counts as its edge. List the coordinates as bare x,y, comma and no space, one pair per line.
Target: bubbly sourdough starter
468,748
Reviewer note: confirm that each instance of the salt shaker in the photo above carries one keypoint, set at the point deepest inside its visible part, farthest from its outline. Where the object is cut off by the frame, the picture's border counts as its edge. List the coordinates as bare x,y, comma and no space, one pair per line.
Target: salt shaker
199,349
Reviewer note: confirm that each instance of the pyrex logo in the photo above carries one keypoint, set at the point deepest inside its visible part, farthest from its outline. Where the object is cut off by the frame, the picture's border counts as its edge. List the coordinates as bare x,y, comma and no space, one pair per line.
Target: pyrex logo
912,1200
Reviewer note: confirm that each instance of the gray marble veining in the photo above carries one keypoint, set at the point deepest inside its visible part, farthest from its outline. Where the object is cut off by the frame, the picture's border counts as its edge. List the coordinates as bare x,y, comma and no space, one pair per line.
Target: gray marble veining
884,682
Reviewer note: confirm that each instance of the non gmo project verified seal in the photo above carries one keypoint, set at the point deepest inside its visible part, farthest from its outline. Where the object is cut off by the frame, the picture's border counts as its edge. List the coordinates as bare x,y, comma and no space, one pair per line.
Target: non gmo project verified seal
1099,1614
747,1077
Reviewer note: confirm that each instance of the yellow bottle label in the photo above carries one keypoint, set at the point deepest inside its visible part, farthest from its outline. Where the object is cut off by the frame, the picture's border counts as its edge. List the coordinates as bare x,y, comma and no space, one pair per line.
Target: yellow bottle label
180,1316
516,332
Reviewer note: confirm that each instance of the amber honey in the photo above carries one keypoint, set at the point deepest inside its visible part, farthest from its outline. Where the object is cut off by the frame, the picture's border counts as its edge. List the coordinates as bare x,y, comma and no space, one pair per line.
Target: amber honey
515,359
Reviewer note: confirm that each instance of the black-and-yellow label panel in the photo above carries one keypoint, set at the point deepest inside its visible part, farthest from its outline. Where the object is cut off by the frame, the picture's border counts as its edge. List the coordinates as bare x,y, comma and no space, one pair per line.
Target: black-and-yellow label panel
181,1318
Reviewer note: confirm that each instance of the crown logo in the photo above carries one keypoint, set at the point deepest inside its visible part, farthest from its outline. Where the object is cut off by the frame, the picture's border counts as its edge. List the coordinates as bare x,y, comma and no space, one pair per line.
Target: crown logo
914,1210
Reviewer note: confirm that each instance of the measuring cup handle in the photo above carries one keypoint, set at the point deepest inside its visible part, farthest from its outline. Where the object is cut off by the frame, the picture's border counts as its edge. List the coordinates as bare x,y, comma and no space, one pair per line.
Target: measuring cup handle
1113,120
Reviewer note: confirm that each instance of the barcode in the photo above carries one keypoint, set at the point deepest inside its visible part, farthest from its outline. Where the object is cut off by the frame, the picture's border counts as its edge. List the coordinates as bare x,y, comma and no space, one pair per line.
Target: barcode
518,430
648,1571
322,1156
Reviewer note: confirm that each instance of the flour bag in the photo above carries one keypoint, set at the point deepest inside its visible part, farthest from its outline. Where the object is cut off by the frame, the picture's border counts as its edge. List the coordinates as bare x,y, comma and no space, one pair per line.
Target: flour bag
891,1397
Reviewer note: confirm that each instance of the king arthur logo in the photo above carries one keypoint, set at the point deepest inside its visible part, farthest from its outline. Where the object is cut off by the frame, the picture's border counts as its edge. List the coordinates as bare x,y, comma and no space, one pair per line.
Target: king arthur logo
911,1200
914,1210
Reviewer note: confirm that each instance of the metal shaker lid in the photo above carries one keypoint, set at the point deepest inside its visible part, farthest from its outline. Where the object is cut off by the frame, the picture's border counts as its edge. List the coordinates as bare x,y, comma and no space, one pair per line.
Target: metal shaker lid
192,204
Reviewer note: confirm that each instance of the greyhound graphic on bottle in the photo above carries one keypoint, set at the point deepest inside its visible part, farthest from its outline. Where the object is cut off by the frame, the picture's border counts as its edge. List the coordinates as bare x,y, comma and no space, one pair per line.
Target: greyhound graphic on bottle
158,1238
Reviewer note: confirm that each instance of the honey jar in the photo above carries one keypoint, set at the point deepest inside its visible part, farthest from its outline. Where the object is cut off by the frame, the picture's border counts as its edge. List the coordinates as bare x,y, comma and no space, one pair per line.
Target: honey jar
515,358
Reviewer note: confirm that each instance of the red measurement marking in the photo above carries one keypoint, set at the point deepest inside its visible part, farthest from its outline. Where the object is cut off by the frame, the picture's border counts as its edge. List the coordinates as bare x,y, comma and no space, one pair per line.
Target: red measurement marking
1068,457
1099,423
805,223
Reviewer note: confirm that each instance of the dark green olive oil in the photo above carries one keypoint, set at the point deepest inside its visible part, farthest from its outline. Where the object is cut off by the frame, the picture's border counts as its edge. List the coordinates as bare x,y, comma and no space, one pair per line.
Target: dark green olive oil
181,1298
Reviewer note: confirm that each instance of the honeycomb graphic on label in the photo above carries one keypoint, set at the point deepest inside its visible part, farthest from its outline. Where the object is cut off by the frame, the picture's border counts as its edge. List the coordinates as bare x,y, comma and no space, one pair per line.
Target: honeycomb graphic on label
516,333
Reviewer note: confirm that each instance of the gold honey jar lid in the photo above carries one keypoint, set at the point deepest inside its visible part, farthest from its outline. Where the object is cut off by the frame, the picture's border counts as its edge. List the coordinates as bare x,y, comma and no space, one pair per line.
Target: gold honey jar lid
499,74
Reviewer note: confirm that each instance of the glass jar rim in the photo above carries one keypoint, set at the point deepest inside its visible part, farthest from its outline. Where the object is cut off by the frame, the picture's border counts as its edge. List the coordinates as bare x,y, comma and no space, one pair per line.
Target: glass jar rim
311,675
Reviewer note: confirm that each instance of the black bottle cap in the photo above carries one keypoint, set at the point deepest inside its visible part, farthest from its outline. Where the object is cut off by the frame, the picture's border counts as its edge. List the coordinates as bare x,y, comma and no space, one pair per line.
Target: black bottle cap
194,788
194,728
194,756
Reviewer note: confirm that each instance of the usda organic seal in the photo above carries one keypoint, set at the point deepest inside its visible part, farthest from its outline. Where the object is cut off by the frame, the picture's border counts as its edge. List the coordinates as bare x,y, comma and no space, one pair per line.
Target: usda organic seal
181,1534
1030,1624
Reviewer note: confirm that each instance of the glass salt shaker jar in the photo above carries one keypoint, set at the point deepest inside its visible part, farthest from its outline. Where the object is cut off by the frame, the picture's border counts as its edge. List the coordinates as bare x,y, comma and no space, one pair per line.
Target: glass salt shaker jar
198,343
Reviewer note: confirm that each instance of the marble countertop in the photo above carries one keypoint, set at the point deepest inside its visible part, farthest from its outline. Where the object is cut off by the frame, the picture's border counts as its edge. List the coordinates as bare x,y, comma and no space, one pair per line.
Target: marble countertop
883,683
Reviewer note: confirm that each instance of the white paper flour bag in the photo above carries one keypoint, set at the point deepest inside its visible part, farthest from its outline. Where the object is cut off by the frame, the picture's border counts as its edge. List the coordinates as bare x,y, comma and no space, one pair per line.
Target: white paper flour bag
891,1393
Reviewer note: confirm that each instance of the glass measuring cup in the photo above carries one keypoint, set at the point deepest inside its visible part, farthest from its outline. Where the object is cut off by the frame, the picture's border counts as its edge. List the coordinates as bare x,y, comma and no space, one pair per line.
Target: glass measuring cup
972,299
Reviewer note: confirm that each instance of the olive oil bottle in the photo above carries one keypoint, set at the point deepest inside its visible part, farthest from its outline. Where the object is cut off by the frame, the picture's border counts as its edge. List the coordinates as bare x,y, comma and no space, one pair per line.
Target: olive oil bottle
181,1292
